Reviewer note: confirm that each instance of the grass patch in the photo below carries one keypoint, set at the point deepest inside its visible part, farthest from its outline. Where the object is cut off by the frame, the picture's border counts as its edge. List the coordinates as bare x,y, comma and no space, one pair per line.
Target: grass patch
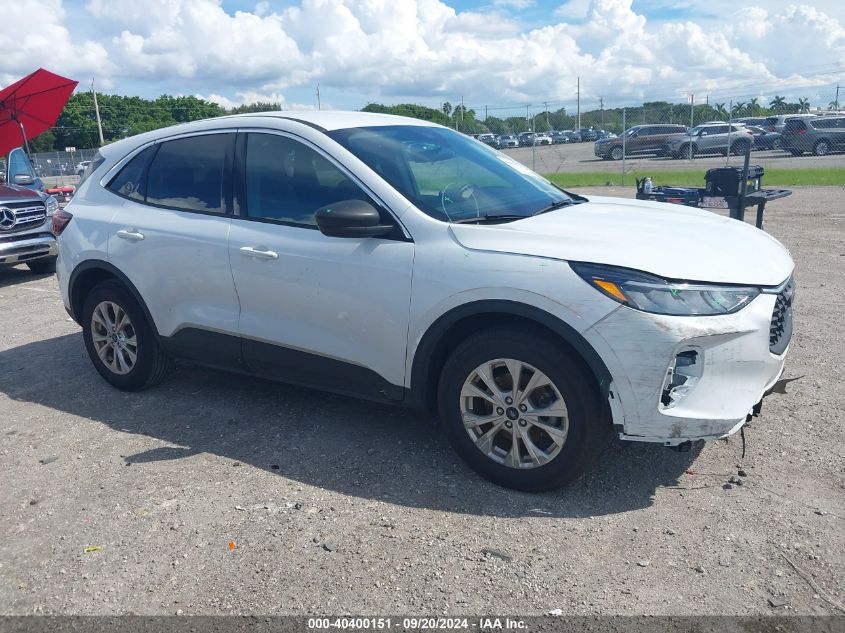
773,177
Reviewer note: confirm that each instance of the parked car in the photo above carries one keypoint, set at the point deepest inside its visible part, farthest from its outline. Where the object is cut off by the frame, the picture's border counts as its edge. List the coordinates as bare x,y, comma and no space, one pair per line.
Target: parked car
763,139
526,139
776,123
488,139
574,137
747,121
819,135
81,167
709,138
26,217
543,139
507,140
558,137
295,263
588,134
639,140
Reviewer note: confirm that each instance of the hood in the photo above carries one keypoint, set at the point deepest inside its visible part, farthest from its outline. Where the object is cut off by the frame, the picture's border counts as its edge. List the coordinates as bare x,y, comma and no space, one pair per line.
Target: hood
13,193
669,240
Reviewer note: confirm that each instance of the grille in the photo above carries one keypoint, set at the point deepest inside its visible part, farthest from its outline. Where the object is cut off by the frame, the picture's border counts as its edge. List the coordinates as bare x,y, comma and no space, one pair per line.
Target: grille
780,330
20,216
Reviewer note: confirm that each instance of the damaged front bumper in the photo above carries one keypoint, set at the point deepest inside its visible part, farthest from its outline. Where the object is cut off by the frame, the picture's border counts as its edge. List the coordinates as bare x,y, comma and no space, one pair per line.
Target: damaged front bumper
681,379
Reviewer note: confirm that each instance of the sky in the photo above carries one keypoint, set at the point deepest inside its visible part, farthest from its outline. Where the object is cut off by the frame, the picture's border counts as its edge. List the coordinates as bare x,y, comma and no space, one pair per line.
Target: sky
497,55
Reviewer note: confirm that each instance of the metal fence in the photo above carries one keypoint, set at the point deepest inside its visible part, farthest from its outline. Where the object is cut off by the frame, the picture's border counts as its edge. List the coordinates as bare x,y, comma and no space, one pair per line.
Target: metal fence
61,167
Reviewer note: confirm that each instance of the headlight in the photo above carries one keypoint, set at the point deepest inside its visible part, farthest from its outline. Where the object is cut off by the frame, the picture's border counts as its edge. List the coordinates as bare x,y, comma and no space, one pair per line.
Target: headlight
651,293
52,205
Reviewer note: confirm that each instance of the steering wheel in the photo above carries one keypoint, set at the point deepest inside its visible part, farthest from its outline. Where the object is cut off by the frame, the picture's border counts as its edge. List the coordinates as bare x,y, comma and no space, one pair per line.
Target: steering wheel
458,199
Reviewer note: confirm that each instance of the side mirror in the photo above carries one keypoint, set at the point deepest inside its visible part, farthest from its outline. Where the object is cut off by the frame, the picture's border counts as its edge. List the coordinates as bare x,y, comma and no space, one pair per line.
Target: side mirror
351,218
24,180
702,133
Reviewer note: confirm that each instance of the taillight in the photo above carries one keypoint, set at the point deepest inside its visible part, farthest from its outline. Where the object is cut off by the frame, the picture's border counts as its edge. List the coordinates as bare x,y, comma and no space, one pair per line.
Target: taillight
801,130
61,219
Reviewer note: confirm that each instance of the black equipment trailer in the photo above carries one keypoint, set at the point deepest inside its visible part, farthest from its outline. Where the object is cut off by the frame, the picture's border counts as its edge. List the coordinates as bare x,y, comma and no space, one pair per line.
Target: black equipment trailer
728,188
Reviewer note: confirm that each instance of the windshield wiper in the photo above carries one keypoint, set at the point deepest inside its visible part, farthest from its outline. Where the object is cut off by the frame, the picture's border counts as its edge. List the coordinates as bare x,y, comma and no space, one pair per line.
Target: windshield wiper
554,205
504,217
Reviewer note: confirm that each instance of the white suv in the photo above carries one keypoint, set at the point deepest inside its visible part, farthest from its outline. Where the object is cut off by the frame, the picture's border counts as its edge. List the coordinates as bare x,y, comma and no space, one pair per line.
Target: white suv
401,261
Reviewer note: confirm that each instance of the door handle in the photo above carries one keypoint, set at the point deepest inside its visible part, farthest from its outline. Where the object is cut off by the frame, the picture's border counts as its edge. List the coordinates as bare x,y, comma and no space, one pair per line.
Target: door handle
130,234
258,253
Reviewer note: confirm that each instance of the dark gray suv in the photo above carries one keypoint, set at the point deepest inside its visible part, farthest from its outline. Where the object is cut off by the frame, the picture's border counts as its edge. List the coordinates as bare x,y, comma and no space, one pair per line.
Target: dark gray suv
820,135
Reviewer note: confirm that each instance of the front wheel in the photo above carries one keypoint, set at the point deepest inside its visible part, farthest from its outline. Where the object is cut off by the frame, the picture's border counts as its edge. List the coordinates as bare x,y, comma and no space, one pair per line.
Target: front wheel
739,148
520,410
822,148
616,153
120,340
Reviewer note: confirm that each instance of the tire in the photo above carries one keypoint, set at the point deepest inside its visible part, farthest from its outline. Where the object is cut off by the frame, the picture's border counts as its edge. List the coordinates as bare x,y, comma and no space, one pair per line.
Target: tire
616,153
739,147
821,148
551,463
151,362
46,266
684,151
776,144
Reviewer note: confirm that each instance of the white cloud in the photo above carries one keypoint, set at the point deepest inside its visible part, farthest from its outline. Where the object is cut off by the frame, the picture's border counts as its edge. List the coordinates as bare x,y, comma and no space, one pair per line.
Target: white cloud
388,50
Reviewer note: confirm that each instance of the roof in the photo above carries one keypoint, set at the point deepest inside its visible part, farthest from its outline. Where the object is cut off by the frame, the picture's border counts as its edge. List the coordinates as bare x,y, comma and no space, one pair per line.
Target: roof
324,119
337,119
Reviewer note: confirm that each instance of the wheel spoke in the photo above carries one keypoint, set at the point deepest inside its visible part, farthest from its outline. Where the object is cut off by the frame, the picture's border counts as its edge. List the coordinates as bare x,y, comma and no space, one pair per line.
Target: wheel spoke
556,410
473,420
471,391
538,379
485,442
486,377
515,370
513,458
103,351
538,458
97,337
557,435
131,355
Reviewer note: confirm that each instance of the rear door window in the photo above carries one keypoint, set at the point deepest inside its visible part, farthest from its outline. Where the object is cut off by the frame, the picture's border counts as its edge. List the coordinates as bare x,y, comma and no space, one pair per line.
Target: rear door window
131,181
187,174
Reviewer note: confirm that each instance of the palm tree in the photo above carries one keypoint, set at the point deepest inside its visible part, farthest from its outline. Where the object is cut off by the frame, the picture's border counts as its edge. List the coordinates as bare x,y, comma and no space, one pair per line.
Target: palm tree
833,105
804,104
721,112
753,106
739,108
777,103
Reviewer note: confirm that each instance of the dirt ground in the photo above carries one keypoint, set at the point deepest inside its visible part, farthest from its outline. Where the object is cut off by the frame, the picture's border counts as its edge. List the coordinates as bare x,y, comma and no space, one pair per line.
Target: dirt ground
218,494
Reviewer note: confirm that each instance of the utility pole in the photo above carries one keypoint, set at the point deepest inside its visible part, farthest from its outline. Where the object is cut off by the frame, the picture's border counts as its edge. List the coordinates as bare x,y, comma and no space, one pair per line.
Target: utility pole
578,93
97,114
601,108
691,119
485,114
528,116
546,108
318,97
836,101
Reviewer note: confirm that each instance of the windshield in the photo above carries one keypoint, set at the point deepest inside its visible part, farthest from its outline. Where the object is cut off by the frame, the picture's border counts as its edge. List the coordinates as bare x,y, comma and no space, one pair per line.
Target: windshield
449,176
696,131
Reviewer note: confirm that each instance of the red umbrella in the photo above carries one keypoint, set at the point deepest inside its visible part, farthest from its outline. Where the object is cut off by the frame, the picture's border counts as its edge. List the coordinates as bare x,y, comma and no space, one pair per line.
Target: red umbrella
31,106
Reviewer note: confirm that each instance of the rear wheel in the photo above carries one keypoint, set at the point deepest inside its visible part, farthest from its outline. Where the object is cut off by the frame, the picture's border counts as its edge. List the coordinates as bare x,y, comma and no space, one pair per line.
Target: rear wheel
616,153
821,148
686,152
120,340
739,148
46,266
520,410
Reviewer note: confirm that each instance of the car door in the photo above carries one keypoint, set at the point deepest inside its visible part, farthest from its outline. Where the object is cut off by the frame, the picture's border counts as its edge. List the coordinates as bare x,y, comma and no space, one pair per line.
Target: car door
837,133
315,310
169,236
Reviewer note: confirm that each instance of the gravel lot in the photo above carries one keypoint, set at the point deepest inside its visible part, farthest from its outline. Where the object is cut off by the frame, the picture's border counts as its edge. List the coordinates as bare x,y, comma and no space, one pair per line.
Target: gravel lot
217,494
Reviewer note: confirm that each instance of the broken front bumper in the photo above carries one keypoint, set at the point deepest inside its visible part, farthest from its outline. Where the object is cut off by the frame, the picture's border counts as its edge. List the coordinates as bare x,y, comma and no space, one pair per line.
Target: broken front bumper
736,367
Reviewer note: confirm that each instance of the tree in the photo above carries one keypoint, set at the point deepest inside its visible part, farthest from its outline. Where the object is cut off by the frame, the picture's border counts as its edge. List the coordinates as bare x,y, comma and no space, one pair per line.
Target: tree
447,108
753,106
778,103
739,108
721,111
804,104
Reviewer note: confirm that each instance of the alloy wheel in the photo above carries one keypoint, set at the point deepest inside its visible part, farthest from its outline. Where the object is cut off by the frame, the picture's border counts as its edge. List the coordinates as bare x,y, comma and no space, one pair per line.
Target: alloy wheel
514,413
114,337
